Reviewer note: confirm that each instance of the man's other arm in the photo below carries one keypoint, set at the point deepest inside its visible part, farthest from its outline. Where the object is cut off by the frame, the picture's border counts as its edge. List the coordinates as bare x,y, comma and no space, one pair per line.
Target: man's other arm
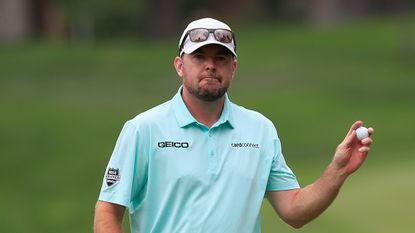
108,217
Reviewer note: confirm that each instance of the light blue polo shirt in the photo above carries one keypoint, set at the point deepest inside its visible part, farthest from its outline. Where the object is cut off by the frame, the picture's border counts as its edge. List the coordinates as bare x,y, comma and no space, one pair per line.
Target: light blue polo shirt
176,175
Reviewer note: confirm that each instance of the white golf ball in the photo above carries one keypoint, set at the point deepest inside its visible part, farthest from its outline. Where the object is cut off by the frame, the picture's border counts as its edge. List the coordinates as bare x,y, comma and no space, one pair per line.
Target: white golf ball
362,133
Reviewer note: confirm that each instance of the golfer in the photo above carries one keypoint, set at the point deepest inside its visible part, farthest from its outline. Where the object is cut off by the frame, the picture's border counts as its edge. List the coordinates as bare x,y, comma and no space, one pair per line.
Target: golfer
200,163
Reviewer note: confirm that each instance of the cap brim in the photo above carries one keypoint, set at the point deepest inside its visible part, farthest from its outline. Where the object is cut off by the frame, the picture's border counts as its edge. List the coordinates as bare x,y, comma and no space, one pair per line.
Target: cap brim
190,47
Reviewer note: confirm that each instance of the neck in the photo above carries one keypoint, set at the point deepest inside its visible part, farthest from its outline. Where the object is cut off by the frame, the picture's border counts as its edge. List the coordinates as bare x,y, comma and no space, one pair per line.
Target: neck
205,112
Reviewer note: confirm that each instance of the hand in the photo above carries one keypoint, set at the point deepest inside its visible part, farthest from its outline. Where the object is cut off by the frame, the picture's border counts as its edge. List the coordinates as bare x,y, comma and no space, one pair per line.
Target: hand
351,152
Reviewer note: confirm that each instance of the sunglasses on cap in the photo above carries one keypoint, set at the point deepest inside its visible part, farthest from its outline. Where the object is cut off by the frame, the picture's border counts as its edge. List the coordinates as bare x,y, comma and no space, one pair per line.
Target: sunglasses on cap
202,34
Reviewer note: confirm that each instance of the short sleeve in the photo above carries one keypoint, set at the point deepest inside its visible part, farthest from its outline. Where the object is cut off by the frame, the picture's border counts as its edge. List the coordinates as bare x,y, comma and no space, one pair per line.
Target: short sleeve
125,172
281,177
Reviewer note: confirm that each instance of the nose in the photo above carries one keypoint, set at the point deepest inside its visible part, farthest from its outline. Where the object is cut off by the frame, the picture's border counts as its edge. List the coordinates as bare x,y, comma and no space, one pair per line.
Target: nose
210,63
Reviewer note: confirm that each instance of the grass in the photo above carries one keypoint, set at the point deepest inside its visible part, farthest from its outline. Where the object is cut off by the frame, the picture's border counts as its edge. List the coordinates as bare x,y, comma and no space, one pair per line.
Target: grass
375,199
62,107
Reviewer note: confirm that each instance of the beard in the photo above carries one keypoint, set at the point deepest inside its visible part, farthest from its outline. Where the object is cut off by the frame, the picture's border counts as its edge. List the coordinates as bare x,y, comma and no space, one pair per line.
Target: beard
207,92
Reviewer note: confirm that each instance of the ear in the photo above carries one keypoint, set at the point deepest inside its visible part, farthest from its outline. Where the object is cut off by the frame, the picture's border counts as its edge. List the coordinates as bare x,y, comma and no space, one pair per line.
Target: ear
234,66
178,65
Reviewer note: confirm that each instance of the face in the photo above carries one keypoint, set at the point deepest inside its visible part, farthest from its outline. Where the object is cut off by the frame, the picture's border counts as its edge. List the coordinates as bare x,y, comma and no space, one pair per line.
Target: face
207,72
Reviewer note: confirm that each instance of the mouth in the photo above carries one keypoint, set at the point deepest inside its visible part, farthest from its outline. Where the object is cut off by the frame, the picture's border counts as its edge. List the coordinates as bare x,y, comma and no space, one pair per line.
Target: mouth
210,81
210,78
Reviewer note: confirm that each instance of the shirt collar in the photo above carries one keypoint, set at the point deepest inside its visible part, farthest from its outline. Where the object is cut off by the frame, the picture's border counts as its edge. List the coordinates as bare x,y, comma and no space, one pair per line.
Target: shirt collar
185,118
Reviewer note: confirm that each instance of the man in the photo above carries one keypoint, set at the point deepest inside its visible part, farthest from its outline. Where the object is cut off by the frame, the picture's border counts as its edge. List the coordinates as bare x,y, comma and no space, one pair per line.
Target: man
199,163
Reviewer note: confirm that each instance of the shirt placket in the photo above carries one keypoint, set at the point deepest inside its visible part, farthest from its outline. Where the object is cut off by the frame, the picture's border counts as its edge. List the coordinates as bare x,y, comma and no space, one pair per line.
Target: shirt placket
211,152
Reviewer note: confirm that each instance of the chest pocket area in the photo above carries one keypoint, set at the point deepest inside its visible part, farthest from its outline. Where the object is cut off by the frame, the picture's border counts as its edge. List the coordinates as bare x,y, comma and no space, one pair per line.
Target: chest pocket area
248,165
177,163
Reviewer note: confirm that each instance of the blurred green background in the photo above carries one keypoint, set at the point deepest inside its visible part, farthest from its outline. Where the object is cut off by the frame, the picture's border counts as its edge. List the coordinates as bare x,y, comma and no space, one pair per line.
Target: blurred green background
63,102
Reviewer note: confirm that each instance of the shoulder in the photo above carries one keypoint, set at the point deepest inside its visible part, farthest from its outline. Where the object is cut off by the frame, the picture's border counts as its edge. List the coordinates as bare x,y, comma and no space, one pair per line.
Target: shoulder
249,117
243,113
159,113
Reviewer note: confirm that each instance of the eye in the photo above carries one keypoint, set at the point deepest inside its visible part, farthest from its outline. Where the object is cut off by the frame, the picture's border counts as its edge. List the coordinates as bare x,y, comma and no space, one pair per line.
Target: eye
222,58
198,56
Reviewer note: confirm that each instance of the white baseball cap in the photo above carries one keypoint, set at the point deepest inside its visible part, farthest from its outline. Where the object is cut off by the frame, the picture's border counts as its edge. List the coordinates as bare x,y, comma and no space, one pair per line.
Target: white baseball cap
187,46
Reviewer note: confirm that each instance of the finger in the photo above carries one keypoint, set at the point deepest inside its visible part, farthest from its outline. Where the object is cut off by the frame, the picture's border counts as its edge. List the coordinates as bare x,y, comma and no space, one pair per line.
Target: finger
363,153
364,149
357,124
370,130
348,140
354,126
352,132
366,141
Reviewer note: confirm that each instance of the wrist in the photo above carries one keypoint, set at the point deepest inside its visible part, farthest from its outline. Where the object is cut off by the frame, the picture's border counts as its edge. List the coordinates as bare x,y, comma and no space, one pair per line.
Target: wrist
335,176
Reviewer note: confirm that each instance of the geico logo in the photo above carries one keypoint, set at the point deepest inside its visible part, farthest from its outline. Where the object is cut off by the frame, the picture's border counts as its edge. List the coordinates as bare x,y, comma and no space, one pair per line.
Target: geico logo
173,144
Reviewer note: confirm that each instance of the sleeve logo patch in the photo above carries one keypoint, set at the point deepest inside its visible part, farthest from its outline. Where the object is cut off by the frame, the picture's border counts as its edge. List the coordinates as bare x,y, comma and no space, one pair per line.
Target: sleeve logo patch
112,176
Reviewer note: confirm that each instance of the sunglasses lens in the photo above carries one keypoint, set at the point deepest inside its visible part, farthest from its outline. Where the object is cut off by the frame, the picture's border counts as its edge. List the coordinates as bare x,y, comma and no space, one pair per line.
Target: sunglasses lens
202,34
198,35
223,35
